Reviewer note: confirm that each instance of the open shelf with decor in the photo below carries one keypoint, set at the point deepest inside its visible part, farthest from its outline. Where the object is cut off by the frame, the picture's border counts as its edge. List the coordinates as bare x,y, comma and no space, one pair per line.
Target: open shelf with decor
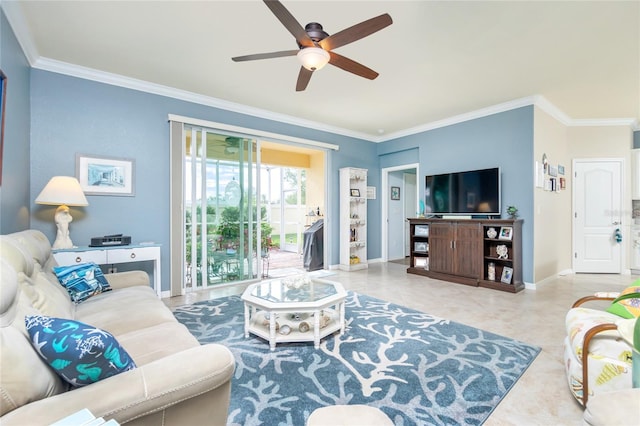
502,257
419,245
353,219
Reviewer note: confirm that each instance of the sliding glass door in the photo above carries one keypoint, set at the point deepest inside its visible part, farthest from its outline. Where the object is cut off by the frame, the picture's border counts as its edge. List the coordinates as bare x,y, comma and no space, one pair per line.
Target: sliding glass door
221,238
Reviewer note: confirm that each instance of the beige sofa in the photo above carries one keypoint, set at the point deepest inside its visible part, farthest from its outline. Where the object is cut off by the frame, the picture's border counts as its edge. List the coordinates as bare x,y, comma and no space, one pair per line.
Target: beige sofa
177,381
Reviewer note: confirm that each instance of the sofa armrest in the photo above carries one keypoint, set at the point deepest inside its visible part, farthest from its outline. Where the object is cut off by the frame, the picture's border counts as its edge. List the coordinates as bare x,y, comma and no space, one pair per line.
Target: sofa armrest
145,390
596,296
119,280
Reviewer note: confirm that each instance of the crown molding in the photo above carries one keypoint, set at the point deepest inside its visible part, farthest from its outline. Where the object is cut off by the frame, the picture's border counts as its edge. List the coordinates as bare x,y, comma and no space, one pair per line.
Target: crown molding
483,112
13,11
60,67
540,101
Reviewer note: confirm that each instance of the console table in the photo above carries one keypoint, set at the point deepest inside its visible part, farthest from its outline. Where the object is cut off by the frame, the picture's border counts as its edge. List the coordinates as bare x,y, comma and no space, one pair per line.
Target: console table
476,252
114,255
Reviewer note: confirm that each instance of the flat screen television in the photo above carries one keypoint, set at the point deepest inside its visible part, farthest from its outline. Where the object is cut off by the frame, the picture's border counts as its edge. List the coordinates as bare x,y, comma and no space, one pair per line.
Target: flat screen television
474,192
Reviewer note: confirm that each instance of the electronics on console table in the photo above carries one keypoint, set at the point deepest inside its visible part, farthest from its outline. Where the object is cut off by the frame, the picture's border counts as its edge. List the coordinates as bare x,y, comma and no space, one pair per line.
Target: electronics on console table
110,240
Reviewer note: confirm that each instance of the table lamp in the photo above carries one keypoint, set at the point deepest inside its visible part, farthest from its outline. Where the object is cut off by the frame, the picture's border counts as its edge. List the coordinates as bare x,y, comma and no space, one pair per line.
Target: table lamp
63,191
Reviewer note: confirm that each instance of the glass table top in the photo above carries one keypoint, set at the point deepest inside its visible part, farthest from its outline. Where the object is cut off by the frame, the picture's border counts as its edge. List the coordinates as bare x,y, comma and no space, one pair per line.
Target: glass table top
293,289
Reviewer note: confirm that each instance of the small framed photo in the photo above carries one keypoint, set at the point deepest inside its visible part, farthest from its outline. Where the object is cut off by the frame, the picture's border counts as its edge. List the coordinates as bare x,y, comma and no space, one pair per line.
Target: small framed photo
421,231
421,262
506,233
507,275
395,192
420,247
355,192
105,175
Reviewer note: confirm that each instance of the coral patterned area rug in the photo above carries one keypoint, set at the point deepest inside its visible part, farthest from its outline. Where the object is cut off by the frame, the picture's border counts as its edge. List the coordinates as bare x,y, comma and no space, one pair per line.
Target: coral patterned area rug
418,369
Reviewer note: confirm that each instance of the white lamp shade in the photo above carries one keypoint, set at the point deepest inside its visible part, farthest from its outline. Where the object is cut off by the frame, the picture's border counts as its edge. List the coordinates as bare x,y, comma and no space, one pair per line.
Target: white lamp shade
62,190
313,58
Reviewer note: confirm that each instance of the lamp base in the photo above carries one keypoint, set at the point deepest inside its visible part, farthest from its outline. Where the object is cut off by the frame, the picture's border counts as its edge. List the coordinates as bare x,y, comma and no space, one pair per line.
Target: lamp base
62,219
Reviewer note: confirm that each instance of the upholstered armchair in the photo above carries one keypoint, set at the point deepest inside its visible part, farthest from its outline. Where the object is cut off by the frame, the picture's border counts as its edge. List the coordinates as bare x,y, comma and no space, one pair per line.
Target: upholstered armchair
597,358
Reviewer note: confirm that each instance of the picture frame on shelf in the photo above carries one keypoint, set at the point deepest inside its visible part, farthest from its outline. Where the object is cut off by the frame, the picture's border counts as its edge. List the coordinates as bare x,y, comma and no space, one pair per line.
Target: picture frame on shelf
421,262
506,233
100,175
420,247
421,231
507,275
355,192
395,192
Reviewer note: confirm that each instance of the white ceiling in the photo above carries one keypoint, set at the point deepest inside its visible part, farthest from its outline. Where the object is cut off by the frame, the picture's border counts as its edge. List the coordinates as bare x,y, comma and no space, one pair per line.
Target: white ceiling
439,59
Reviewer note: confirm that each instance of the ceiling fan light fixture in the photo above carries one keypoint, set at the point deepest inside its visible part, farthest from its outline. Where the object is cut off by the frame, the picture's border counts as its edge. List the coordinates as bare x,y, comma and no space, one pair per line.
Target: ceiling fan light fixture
313,58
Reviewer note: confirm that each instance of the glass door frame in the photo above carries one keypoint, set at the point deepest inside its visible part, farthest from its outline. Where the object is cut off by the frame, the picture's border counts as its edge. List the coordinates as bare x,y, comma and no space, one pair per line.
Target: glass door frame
176,141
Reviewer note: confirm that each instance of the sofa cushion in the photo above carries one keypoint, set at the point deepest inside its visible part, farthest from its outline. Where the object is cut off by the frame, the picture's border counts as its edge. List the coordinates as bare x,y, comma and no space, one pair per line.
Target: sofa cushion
82,280
630,307
24,376
124,310
80,353
149,344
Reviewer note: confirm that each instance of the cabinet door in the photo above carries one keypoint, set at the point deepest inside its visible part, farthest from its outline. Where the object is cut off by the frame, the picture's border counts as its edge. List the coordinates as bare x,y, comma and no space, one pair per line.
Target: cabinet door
468,250
441,247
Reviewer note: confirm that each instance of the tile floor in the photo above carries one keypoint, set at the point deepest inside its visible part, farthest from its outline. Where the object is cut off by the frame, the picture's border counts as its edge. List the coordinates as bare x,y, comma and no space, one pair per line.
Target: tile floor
541,396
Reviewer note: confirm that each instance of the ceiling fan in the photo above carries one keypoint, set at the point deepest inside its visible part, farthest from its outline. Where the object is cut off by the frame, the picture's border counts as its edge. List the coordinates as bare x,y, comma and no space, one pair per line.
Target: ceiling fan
315,46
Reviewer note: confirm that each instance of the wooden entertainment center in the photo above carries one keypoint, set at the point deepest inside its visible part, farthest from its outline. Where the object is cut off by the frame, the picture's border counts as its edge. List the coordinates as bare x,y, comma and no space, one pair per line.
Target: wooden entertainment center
477,252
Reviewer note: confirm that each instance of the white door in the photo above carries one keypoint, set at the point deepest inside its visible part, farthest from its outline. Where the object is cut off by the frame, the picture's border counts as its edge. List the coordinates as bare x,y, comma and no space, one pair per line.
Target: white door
597,215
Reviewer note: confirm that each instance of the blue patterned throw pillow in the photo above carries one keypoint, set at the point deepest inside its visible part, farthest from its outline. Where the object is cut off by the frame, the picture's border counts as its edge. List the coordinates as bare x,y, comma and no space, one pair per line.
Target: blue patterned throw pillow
82,280
81,354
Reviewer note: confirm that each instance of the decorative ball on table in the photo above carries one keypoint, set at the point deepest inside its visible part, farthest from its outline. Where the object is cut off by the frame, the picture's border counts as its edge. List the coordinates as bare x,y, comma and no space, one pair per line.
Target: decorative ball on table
512,211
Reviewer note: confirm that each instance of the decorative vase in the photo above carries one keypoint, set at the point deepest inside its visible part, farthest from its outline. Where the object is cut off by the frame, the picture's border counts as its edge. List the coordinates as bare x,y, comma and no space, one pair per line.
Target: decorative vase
491,232
491,271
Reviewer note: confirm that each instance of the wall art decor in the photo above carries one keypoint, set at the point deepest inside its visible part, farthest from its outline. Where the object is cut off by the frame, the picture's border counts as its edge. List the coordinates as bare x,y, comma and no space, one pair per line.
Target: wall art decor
105,175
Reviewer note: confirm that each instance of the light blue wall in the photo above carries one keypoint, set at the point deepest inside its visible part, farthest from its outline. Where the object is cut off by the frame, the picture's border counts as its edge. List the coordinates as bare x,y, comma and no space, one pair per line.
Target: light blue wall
636,139
72,115
502,140
14,192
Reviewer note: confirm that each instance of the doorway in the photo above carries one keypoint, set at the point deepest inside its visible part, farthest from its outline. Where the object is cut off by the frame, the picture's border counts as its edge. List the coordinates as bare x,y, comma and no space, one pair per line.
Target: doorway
597,215
397,208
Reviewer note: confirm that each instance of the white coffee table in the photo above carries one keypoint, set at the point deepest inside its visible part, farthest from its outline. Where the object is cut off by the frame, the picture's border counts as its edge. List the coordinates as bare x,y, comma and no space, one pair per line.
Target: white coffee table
296,309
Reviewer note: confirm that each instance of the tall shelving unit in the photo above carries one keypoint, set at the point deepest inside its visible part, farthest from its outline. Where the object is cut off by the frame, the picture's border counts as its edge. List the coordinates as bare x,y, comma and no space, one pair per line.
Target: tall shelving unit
353,219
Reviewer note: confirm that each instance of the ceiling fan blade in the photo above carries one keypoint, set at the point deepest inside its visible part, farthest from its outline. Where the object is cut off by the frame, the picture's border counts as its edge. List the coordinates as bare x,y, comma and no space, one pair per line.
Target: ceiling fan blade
289,22
303,79
356,32
351,66
265,55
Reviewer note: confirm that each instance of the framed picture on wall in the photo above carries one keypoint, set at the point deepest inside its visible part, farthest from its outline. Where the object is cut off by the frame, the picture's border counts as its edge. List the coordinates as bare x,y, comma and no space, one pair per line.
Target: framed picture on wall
395,192
105,175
